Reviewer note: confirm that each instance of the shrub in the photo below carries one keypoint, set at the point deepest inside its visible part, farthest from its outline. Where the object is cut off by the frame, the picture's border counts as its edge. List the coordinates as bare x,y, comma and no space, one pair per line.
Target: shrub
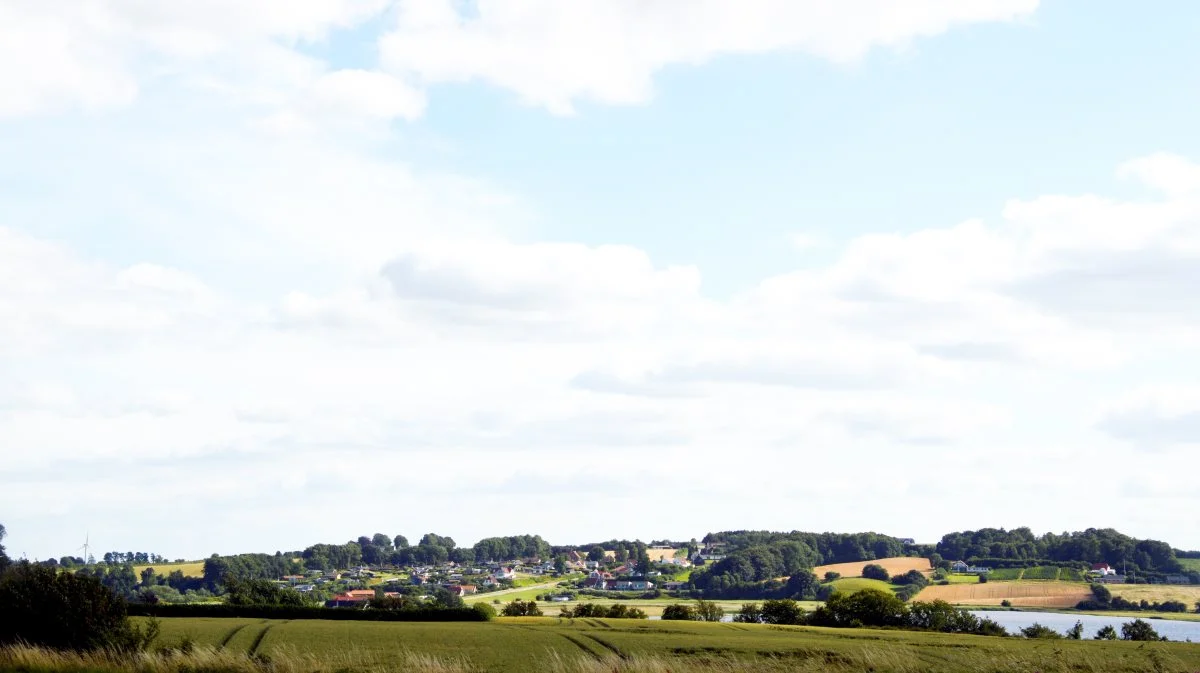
59,610
679,612
1106,632
831,576
786,611
1036,630
486,611
912,577
520,608
1139,630
983,578
874,571
1101,594
1006,603
750,613
1075,632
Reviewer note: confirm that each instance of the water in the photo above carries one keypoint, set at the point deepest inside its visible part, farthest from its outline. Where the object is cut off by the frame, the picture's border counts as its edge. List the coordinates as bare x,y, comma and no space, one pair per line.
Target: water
1013,621
1173,629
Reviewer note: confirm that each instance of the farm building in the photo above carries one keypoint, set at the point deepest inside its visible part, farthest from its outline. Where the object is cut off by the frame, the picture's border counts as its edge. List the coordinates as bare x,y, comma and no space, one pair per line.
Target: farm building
1103,569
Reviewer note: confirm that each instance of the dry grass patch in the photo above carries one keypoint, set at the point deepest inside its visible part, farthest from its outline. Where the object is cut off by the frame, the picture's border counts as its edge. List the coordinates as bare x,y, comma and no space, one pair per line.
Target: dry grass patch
1021,594
1157,593
897,565
189,569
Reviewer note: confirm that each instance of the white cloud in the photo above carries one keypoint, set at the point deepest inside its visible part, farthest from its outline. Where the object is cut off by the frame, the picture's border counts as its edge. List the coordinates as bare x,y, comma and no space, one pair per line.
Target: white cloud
100,53
554,53
1155,417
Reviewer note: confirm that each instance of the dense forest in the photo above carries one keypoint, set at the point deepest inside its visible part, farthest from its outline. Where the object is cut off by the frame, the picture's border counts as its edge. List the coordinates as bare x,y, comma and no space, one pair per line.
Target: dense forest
1094,545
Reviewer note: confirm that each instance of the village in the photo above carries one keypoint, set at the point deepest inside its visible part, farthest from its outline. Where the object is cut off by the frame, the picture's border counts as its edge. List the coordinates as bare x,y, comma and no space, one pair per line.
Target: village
356,586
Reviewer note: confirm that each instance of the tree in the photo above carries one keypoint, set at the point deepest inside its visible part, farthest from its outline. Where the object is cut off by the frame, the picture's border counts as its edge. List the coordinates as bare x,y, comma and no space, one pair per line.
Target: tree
708,611
831,576
382,541
1101,594
3,557
596,553
44,607
750,613
1138,630
786,611
148,578
1106,632
874,571
560,564
678,612
400,542
1075,632
259,592
520,608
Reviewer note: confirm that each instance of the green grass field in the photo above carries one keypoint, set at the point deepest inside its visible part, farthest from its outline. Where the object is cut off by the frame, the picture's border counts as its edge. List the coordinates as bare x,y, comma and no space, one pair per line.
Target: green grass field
592,645
962,578
1041,573
1004,574
853,584
1190,564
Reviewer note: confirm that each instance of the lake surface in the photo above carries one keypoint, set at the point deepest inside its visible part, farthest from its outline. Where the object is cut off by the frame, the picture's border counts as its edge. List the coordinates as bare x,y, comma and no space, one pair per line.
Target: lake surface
1015,621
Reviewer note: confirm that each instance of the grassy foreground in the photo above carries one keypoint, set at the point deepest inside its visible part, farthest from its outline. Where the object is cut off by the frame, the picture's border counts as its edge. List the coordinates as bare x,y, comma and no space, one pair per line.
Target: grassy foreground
594,645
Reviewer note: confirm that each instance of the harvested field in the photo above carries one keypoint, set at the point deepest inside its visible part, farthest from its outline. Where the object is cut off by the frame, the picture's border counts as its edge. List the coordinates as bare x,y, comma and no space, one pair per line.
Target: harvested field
895,566
1157,593
189,569
1022,594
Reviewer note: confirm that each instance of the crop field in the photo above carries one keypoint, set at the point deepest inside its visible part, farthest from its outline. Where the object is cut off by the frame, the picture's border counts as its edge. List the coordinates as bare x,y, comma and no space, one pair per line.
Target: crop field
962,578
625,646
190,569
1157,593
1040,573
895,566
1070,575
1020,593
1004,574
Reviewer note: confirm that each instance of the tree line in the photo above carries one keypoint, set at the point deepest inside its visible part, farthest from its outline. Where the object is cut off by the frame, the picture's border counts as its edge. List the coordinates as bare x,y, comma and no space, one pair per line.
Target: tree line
1094,545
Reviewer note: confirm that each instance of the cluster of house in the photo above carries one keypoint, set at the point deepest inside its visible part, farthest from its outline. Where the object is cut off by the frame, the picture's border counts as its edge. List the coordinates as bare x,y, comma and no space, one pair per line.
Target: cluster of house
966,568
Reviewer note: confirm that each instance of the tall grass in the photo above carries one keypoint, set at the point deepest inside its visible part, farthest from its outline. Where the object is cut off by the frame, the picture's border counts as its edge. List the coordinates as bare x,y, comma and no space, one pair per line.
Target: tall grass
26,659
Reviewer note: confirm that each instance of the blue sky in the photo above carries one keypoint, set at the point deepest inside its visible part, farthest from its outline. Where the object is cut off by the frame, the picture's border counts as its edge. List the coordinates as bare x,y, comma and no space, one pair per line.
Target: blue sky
314,269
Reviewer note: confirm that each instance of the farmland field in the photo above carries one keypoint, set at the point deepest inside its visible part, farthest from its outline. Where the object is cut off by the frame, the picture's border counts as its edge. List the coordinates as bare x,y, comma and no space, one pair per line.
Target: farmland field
961,578
587,645
1020,593
1157,593
1005,574
190,569
1070,575
895,566
1040,573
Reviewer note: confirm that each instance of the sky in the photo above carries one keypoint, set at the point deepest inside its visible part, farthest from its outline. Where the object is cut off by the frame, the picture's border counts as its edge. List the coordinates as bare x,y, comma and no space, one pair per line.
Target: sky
279,272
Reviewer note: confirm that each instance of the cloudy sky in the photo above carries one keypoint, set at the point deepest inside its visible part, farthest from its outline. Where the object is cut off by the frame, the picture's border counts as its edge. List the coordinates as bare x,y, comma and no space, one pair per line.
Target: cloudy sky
286,271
